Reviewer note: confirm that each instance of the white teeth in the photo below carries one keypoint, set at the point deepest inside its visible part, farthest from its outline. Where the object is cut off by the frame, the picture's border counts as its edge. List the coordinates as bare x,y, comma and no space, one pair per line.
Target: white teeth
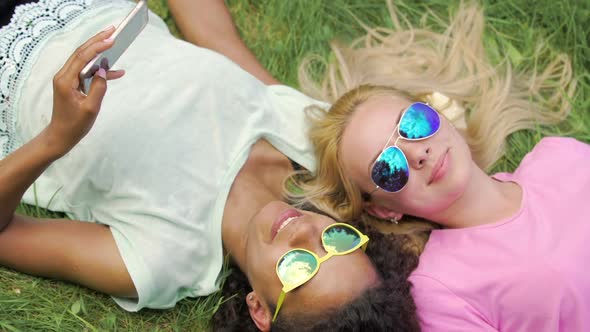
286,222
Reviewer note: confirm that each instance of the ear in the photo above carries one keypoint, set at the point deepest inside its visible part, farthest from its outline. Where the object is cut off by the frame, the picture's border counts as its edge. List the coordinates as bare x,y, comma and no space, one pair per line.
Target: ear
259,312
381,212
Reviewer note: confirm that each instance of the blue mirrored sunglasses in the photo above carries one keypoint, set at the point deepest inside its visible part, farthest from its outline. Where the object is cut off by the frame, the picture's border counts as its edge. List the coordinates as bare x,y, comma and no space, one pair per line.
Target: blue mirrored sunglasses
391,171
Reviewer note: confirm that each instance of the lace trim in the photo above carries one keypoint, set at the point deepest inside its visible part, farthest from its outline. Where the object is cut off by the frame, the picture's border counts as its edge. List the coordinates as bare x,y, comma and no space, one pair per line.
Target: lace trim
29,28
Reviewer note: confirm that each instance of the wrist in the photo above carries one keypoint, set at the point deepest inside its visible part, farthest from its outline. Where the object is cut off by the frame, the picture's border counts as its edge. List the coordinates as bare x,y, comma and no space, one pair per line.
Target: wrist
51,145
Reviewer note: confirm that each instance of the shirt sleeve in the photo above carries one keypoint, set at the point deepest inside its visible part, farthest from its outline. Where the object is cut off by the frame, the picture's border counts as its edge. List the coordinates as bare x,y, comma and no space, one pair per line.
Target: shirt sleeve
290,126
555,155
439,309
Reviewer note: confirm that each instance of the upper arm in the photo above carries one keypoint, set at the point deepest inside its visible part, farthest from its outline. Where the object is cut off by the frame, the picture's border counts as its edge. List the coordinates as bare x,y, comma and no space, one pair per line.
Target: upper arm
208,23
439,309
81,252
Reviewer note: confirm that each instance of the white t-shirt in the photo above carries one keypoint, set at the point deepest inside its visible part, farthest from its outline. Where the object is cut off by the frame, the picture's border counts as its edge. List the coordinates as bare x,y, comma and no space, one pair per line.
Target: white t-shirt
159,162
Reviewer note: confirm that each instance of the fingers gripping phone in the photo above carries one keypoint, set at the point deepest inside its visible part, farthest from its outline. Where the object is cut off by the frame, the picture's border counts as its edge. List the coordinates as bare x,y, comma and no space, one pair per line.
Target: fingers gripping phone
124,35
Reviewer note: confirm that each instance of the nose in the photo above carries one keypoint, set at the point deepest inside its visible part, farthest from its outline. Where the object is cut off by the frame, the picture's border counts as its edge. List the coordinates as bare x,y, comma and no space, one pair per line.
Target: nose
417,152
306,235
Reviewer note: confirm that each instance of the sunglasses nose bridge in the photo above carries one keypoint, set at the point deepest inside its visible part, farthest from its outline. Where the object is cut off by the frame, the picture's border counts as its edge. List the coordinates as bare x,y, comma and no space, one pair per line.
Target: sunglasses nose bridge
325,257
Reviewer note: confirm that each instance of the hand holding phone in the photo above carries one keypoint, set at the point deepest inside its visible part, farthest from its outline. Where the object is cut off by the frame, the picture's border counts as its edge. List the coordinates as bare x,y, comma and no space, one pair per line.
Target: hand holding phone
123,36
74,113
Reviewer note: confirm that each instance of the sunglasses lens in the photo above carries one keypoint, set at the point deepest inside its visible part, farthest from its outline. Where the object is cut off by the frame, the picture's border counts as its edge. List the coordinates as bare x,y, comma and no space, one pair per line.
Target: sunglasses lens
390,171
296,267
340,238
419,121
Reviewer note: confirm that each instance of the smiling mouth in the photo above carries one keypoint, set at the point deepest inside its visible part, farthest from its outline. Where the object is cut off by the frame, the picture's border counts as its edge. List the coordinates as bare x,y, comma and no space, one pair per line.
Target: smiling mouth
285,223
283,220
435,175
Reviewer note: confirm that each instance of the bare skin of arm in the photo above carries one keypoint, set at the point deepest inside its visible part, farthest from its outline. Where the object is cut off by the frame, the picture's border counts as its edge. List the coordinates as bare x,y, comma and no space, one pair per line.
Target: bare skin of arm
208,23
80,252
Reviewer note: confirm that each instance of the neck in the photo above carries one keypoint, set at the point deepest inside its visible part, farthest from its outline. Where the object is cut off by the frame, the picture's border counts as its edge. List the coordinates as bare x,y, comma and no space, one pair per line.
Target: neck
484,201
258,183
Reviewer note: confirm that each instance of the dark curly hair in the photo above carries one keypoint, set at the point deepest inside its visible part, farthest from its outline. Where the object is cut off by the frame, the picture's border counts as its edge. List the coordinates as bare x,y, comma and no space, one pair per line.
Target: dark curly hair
386,307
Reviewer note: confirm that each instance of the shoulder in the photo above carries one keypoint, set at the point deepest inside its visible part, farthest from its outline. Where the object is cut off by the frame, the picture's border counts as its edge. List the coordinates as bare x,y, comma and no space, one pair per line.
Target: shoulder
555,154
287,126
566,145
552,148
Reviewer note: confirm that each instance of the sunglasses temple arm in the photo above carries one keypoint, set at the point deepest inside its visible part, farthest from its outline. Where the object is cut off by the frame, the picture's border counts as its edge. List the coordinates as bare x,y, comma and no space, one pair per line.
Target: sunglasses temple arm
279,304
374,190
365,240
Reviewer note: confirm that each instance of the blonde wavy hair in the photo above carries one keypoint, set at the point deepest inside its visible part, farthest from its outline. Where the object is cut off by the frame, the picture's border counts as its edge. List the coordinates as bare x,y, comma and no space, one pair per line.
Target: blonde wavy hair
414,62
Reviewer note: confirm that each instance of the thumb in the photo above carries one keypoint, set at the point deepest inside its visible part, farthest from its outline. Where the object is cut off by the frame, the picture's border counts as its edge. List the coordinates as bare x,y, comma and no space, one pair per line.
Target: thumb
98,88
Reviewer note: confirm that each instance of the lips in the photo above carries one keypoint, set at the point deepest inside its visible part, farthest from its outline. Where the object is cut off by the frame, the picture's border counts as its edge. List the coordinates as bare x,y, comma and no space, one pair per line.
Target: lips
283,220
439,169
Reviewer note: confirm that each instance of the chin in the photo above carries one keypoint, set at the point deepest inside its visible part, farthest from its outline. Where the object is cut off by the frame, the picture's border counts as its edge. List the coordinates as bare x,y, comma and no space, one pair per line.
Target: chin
444,197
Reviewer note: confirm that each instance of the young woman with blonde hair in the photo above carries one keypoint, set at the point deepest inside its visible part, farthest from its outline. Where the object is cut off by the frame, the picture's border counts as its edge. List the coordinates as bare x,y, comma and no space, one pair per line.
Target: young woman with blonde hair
417,118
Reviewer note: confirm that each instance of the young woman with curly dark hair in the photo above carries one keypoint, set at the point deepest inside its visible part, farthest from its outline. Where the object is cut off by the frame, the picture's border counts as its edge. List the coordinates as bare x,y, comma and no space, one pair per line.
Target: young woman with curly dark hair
184,164
383,308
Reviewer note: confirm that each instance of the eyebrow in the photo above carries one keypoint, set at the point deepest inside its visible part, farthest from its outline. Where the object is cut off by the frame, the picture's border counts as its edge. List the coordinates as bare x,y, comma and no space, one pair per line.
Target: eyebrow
385,147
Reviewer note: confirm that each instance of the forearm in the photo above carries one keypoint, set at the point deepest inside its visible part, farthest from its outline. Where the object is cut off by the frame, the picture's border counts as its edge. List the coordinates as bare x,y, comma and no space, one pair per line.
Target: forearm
81,252
208,23
72,117
20,169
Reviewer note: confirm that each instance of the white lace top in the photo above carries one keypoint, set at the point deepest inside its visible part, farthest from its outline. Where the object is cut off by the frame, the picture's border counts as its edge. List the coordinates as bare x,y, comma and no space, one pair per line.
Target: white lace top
165,149
30,27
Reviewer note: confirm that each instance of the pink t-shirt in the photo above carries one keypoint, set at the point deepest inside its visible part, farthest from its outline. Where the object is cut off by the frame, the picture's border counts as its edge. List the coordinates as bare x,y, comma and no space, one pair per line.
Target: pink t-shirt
526,273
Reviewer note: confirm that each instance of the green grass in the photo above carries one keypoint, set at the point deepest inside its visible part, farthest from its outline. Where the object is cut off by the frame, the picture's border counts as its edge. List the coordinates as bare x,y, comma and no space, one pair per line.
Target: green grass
281,33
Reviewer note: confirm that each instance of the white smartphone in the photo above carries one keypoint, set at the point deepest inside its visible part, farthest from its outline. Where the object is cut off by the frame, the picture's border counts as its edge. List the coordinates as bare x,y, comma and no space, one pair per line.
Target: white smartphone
124,35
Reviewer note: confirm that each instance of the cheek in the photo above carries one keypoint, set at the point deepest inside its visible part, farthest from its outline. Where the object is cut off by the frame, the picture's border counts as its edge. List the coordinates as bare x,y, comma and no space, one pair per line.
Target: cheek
261,266
428,202
421,202
259,259
354,171
421,205
408,201
432,202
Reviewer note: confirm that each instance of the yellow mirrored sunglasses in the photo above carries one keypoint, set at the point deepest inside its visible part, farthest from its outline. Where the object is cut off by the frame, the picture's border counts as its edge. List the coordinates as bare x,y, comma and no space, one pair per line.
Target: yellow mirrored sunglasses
297,266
